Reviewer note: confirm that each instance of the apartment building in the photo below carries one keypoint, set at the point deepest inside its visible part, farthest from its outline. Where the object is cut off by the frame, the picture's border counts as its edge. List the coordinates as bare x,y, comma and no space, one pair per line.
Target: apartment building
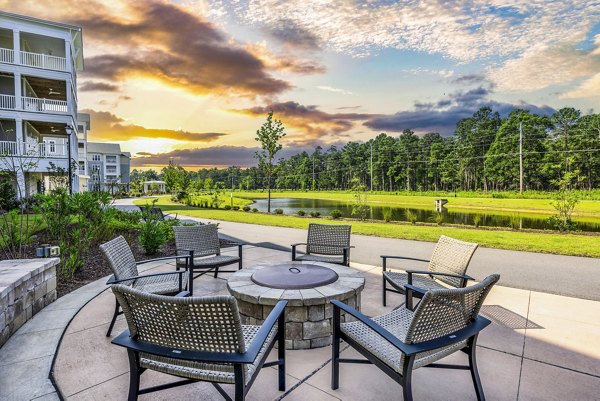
108,167
39,61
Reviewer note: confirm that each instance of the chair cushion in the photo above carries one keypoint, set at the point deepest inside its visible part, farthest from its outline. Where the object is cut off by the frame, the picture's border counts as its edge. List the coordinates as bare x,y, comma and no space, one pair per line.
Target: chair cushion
214,372
167,284
396,322
215,260
399,279
320,258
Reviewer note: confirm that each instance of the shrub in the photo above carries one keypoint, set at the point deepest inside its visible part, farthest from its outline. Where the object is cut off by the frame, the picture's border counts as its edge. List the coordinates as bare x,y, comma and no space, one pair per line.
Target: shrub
278,211
246,208
301,212
315,214
227,207
254,210
557,223
236,207
411,216
515,221
152,236
56,211
335,214
476,220
8,195
438,218
387,214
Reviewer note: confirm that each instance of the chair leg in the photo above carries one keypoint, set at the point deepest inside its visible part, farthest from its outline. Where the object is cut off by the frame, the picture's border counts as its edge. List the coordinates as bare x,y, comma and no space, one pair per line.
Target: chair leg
407,379
335,350
474,370
239,383
281,351
134,375
384,292
216,272
114,318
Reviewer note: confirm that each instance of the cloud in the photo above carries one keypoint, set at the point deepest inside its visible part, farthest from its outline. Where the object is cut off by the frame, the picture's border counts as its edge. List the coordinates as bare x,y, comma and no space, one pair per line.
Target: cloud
284,62
290,34
95,86
316,125
540,67
442,116
107,126
469,79
463,30
588,88
335,90
161,41
216,156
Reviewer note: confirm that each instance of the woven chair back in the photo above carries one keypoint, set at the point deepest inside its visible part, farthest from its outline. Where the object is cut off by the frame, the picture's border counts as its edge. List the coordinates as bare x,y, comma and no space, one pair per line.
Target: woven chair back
210,324
203,239
119,256
451,256
321,237
442,312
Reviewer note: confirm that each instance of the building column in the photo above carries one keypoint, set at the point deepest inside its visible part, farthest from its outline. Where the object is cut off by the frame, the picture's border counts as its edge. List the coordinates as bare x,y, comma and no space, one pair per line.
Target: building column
18,91
19,135
68,57
17,46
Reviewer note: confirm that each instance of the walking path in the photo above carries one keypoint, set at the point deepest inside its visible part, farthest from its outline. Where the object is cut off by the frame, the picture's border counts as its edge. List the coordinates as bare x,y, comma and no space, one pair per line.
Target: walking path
556,274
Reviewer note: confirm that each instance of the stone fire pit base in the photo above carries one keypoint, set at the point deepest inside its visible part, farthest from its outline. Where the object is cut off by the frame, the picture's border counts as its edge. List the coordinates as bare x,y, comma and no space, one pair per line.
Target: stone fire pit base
308,313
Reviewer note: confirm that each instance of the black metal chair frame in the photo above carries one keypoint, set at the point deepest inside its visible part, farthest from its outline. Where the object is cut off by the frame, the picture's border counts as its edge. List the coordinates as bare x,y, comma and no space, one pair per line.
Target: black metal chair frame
398,290
207,269
113,280
135,347
468,333
156,212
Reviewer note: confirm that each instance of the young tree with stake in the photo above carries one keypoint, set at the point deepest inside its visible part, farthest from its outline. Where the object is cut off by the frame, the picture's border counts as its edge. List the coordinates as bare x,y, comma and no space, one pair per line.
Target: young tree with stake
269,135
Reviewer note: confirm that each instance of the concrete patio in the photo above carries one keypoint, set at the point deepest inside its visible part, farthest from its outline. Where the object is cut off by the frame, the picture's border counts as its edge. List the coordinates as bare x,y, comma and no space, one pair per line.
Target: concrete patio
539,347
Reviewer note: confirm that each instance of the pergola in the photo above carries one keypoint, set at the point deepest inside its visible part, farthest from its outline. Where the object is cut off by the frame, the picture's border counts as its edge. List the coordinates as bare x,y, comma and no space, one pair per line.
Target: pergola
162,186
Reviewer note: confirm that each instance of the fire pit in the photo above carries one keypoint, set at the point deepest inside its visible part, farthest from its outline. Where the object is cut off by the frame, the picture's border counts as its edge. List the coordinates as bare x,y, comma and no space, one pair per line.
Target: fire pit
294,276
307,286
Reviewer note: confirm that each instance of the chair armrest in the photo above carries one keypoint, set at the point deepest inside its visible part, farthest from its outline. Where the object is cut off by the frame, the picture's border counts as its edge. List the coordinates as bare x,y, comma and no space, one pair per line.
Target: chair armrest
183,294
259,339
298,243
112,279
164,258
125,340
389,337
410,293
403,257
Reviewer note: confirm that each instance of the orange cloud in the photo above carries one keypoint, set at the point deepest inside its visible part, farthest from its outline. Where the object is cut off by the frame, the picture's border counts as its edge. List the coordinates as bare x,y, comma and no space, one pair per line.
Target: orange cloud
107,126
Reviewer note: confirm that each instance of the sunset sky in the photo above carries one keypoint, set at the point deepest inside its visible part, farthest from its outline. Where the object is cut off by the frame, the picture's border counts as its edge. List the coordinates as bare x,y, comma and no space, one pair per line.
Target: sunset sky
192,80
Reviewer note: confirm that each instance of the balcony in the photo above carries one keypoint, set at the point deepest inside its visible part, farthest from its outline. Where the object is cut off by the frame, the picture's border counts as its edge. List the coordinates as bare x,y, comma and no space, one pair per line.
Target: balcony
7,56
44,105
45,61
51,150
8,148
7,102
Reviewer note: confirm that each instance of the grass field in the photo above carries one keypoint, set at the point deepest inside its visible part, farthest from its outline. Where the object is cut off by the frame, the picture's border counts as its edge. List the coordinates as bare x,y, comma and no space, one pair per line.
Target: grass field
563,244
590,208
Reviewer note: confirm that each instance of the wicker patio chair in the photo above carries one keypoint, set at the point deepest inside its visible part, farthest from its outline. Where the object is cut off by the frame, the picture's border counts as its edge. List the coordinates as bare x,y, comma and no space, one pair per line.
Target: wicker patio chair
326,243
202,244
197,339
124,267
155,212
447,268
444,322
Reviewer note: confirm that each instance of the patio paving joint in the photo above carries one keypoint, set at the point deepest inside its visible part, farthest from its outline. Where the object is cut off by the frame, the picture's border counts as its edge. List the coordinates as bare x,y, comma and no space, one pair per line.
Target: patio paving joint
524,341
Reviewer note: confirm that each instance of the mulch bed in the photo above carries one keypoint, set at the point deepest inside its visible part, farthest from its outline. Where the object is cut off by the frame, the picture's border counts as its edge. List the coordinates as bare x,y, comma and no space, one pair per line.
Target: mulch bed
96,266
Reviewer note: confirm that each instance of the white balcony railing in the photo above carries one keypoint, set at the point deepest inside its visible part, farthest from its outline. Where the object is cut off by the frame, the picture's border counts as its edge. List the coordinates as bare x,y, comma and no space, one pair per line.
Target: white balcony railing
7,102
44,61
41,149
81,155
45,105
7,55
8,148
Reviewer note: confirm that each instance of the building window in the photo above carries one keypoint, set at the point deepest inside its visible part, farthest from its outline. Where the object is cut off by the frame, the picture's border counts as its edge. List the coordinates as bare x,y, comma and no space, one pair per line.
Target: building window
82,167
111,178
111,169
80,128
111,159
96,158
81,145
52,146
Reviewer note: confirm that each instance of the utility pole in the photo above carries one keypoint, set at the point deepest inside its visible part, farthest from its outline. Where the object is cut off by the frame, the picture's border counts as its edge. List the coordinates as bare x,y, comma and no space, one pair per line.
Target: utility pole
371,143
521,157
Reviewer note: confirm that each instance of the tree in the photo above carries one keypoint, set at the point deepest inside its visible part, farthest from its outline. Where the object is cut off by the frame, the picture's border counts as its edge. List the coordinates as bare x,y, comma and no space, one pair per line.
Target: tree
269,135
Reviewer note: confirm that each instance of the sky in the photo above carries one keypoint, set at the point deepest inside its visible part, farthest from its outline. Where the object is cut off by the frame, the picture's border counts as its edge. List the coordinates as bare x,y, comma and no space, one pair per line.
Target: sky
191,81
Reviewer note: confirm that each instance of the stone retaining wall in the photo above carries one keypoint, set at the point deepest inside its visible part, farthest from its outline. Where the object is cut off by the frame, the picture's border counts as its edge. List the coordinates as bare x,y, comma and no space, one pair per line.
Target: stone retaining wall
26,287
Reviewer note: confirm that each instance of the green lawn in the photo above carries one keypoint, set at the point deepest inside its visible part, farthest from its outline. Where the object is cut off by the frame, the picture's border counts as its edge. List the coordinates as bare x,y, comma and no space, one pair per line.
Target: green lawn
589,208
563,244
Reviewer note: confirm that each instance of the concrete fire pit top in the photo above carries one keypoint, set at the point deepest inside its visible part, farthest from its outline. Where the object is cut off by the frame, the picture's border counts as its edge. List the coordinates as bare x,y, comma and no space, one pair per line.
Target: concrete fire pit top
241,286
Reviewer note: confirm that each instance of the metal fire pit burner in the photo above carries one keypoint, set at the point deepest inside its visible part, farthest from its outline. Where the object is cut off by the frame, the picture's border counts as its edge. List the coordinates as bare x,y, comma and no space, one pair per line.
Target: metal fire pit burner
294,276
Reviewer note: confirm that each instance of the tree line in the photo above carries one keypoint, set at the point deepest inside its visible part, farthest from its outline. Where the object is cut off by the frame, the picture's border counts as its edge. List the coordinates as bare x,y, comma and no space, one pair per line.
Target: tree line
483,154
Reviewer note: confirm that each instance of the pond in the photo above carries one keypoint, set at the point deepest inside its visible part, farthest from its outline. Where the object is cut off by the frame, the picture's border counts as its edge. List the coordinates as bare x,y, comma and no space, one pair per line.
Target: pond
399,213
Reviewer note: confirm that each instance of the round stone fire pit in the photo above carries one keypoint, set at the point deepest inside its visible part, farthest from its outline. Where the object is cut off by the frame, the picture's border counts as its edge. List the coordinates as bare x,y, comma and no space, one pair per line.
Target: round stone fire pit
307,286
